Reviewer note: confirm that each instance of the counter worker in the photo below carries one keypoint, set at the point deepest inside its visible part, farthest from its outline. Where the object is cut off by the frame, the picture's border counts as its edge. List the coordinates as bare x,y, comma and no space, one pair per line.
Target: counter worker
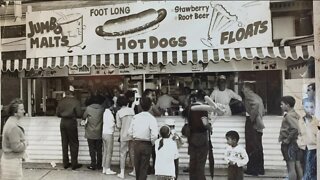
69,110
223,95
165,101
153,110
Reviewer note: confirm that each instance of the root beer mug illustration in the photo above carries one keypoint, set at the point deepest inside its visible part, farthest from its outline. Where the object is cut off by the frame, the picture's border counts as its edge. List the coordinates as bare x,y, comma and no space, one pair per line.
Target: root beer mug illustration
221,19
72,27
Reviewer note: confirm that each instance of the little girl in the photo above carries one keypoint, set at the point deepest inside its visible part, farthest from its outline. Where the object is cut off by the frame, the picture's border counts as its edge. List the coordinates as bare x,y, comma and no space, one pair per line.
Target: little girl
166,153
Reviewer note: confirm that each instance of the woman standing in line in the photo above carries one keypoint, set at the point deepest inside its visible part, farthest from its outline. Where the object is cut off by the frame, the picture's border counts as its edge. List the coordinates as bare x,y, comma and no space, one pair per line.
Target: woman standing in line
13,143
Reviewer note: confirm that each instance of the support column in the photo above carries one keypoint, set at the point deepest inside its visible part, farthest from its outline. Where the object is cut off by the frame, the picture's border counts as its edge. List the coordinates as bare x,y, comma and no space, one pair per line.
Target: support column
44,95
316,32
29,111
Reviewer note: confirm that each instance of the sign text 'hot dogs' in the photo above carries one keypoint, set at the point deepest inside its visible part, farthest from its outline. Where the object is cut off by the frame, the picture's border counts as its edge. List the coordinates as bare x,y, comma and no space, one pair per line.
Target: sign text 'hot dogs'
151,43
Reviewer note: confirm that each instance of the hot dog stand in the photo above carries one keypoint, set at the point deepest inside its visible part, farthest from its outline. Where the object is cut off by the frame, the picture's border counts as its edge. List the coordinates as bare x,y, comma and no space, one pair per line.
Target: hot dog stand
149,45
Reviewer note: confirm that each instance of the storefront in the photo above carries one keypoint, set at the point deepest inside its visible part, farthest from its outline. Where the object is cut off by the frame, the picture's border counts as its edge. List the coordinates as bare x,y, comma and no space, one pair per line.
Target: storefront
73,47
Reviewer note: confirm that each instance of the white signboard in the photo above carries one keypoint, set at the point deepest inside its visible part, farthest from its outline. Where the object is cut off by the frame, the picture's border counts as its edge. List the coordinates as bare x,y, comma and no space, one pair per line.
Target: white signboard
149,26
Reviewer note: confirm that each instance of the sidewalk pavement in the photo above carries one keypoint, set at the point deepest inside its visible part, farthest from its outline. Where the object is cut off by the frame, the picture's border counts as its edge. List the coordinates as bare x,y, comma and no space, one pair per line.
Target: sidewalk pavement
41,171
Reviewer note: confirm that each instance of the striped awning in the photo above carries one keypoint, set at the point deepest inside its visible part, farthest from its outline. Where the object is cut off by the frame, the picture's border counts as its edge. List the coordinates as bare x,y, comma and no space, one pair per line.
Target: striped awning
164,57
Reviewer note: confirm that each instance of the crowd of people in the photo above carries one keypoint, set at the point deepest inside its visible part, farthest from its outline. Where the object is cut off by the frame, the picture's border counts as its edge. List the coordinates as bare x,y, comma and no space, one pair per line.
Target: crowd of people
141,137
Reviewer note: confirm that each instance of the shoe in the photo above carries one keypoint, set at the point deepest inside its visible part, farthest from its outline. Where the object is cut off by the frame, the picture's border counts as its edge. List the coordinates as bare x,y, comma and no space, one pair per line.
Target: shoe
150,170
133,173
67,166
76,166
99,167
91,167
251,173
120,176
110,172
262,172
186,170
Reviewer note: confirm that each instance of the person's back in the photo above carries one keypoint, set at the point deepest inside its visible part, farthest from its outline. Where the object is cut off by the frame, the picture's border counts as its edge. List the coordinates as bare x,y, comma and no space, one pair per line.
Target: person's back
69,107
69,110
124,117
94,113
166,153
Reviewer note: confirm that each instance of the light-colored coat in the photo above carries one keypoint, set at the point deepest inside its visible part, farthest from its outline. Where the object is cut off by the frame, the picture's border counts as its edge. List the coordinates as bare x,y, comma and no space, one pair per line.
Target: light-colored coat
308,133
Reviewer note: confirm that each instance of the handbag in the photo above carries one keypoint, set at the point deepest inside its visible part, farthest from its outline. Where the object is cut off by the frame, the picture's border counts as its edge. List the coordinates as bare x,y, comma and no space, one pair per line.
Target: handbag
185,131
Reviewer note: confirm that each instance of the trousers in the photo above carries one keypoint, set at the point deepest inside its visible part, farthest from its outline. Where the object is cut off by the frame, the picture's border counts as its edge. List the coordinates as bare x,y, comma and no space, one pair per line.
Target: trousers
254,149
69,137
95,151
142,153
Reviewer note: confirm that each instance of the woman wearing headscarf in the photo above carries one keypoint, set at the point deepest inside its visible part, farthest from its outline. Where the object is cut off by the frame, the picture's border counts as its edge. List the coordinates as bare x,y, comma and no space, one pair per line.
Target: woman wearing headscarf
14,143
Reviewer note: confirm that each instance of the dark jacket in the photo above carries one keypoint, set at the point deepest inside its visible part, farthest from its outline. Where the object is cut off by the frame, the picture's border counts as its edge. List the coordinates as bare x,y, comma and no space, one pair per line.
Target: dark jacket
290,127
69,108
254,107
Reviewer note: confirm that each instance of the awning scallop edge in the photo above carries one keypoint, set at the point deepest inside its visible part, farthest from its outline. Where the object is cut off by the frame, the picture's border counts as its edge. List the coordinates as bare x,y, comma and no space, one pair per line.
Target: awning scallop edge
163,57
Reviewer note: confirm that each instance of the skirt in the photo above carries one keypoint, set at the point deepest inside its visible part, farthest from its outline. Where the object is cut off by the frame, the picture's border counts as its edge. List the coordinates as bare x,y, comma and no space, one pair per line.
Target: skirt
11,169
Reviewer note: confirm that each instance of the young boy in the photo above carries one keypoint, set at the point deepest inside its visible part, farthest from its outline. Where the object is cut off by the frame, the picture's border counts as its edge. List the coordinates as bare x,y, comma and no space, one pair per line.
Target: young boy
235,155
307,139
289,131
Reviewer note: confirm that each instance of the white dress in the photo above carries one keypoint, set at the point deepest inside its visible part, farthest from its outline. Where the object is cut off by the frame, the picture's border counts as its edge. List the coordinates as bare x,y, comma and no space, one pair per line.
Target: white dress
164,165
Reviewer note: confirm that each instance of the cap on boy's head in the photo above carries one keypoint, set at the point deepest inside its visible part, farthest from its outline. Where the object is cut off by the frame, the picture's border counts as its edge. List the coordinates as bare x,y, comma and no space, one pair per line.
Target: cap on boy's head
71,88
170,122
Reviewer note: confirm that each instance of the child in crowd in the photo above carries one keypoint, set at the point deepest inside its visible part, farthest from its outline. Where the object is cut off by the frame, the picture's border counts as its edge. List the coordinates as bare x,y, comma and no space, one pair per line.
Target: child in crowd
166,154
307,140
235,155
178,139
123,118
289,131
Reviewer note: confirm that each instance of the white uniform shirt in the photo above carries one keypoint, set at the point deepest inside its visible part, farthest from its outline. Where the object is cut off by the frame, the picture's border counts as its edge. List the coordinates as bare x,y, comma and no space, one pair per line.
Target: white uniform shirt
165,157
236,154
224,97
144,127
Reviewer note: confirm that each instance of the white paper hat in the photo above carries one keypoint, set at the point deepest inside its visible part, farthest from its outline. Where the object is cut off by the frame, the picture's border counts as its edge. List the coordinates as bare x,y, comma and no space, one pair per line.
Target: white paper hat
71,88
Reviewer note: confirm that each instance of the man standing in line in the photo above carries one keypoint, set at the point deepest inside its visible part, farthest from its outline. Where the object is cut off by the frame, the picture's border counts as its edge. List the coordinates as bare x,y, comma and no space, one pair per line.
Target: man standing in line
69,110
254,131
144,131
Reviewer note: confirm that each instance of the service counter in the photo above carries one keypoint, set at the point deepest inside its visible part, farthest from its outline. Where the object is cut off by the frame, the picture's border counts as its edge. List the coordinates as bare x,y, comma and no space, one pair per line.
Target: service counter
43,134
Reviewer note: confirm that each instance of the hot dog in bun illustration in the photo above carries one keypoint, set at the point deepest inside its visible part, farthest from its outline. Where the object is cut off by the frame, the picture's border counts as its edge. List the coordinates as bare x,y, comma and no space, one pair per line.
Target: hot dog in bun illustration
132,23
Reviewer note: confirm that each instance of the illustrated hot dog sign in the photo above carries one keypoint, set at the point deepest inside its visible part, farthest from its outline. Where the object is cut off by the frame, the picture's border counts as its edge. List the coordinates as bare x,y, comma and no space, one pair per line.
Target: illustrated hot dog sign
148,26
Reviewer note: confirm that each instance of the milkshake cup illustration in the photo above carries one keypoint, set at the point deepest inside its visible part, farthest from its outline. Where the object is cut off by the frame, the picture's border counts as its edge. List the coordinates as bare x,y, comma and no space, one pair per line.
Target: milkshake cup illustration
72,27
221,19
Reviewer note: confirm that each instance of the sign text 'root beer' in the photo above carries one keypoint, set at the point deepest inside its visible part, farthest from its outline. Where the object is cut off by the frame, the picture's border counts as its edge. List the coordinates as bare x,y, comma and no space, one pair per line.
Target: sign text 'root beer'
153,42
47,41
